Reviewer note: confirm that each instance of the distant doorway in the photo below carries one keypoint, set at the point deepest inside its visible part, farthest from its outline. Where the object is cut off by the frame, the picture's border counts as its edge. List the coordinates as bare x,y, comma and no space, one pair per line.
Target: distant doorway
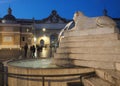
53,40
42,42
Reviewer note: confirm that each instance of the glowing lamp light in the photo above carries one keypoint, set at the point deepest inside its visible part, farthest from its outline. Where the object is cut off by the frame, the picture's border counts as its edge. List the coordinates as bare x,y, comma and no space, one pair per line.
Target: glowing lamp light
44,29
27,30
35,39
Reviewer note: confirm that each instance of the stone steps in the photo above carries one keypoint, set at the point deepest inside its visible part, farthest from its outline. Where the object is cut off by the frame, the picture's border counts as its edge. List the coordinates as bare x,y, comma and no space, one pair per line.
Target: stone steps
98,43
111,76
105,61
95,57
112,36
91,50
102,77
86,63
94,64
95,81
96,48
85,32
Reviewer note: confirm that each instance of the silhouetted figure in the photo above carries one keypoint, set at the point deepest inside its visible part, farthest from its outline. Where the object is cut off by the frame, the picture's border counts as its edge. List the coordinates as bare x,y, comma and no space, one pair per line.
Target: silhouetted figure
38,51
25,49
33,51
51,51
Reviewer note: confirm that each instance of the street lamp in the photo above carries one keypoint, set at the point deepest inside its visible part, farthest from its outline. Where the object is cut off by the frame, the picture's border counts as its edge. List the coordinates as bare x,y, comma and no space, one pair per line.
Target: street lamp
44,29
35,39
27,30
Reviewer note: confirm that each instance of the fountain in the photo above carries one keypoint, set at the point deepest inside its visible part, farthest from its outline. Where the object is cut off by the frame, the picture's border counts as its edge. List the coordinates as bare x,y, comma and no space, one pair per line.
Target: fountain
41,68
92,42
87,44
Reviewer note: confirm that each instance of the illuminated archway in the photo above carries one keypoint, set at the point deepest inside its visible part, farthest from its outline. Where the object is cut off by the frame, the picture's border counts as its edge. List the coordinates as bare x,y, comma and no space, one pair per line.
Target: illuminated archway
42,42
46,40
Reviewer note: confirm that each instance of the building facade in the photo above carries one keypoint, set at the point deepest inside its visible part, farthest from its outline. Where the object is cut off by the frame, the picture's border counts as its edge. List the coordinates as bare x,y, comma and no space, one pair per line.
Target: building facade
14,33
47,30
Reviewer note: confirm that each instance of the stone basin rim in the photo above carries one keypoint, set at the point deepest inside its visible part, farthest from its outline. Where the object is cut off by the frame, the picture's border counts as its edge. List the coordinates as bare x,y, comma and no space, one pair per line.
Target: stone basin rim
57,67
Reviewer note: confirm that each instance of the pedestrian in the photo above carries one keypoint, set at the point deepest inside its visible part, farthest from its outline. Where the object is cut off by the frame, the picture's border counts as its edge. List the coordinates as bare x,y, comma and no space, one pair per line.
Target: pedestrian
33,51
51,51
38,51
25,49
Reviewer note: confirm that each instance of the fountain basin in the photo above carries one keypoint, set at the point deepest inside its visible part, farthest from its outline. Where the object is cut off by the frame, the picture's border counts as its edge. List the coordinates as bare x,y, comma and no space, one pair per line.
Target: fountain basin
42,67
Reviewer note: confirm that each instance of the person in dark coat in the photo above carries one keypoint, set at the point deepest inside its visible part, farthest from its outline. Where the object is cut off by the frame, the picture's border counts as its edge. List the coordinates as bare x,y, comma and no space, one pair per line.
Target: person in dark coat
38,51
33,51
25,49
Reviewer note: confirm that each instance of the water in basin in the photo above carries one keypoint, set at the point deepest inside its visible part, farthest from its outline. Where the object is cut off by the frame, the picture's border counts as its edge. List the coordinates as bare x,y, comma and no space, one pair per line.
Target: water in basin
34,63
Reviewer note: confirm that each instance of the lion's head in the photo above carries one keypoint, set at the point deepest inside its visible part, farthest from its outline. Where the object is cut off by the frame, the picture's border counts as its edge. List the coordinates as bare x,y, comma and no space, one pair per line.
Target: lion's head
77,14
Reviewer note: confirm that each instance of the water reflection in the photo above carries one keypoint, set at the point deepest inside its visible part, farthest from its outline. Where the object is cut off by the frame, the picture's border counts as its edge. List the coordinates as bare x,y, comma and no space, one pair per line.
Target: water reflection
47,52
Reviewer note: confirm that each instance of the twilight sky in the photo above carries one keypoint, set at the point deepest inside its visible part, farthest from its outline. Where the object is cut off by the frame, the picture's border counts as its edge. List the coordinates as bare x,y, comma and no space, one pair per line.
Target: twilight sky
40,9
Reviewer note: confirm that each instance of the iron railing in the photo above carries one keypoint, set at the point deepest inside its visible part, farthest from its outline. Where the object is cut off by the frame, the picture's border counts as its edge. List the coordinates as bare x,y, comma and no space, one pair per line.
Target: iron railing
36,77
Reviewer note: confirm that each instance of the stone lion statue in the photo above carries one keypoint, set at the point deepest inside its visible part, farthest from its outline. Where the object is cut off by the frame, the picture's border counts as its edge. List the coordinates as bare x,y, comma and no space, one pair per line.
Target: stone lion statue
84,22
